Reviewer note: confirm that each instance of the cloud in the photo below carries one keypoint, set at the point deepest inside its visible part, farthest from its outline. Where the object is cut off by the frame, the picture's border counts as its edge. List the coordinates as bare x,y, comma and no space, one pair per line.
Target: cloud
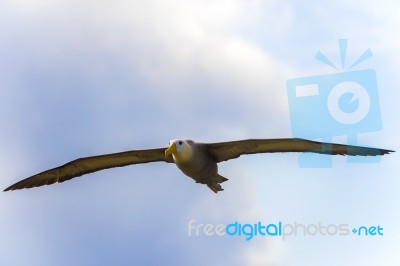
81,78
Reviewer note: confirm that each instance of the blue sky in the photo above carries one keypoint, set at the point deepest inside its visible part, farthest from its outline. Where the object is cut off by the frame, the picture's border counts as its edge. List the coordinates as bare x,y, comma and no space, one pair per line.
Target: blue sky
80,78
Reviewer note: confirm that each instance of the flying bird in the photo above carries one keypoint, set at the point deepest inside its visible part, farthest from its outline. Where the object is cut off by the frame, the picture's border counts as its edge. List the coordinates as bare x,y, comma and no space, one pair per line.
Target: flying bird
196,160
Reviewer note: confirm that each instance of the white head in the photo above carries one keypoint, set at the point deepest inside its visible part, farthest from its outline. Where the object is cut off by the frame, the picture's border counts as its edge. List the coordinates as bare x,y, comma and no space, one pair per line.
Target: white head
181,150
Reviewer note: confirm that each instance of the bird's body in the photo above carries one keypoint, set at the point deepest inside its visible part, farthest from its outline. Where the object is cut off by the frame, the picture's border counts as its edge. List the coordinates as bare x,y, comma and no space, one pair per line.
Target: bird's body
196,160
197,163
201,168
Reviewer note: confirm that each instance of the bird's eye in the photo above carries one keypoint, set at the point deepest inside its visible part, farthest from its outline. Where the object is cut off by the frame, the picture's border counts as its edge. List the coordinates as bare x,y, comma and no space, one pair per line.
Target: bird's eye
180,142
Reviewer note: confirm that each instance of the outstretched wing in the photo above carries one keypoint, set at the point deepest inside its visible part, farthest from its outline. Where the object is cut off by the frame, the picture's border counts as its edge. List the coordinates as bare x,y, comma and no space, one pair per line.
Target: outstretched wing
89,165
229,150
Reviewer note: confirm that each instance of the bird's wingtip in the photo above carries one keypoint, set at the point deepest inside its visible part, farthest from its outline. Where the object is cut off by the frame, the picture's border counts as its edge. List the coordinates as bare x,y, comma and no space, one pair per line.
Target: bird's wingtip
386,152
13,187
8,189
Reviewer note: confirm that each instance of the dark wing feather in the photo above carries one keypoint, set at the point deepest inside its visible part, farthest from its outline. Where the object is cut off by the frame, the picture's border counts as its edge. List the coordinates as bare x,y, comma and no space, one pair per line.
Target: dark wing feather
229,150
89,165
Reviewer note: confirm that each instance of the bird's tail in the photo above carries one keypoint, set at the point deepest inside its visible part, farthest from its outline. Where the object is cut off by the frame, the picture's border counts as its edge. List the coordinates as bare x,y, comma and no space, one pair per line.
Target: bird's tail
215,187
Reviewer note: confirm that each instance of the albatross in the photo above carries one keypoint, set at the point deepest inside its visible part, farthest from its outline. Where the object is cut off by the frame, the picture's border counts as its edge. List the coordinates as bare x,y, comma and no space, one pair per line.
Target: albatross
196,160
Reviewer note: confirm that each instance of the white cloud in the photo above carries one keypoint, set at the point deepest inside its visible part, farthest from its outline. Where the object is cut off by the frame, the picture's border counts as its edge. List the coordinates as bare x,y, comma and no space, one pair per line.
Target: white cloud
271,252
94,76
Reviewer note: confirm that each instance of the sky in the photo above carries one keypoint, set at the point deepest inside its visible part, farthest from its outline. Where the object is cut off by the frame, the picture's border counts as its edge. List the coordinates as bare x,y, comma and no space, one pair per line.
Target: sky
81,78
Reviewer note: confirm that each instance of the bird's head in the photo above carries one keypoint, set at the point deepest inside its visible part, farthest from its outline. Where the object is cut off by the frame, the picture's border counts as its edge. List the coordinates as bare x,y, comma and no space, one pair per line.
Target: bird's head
181,150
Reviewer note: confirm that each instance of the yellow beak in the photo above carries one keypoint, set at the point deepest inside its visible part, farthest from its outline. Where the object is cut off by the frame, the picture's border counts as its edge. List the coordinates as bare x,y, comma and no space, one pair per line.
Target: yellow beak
171,149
